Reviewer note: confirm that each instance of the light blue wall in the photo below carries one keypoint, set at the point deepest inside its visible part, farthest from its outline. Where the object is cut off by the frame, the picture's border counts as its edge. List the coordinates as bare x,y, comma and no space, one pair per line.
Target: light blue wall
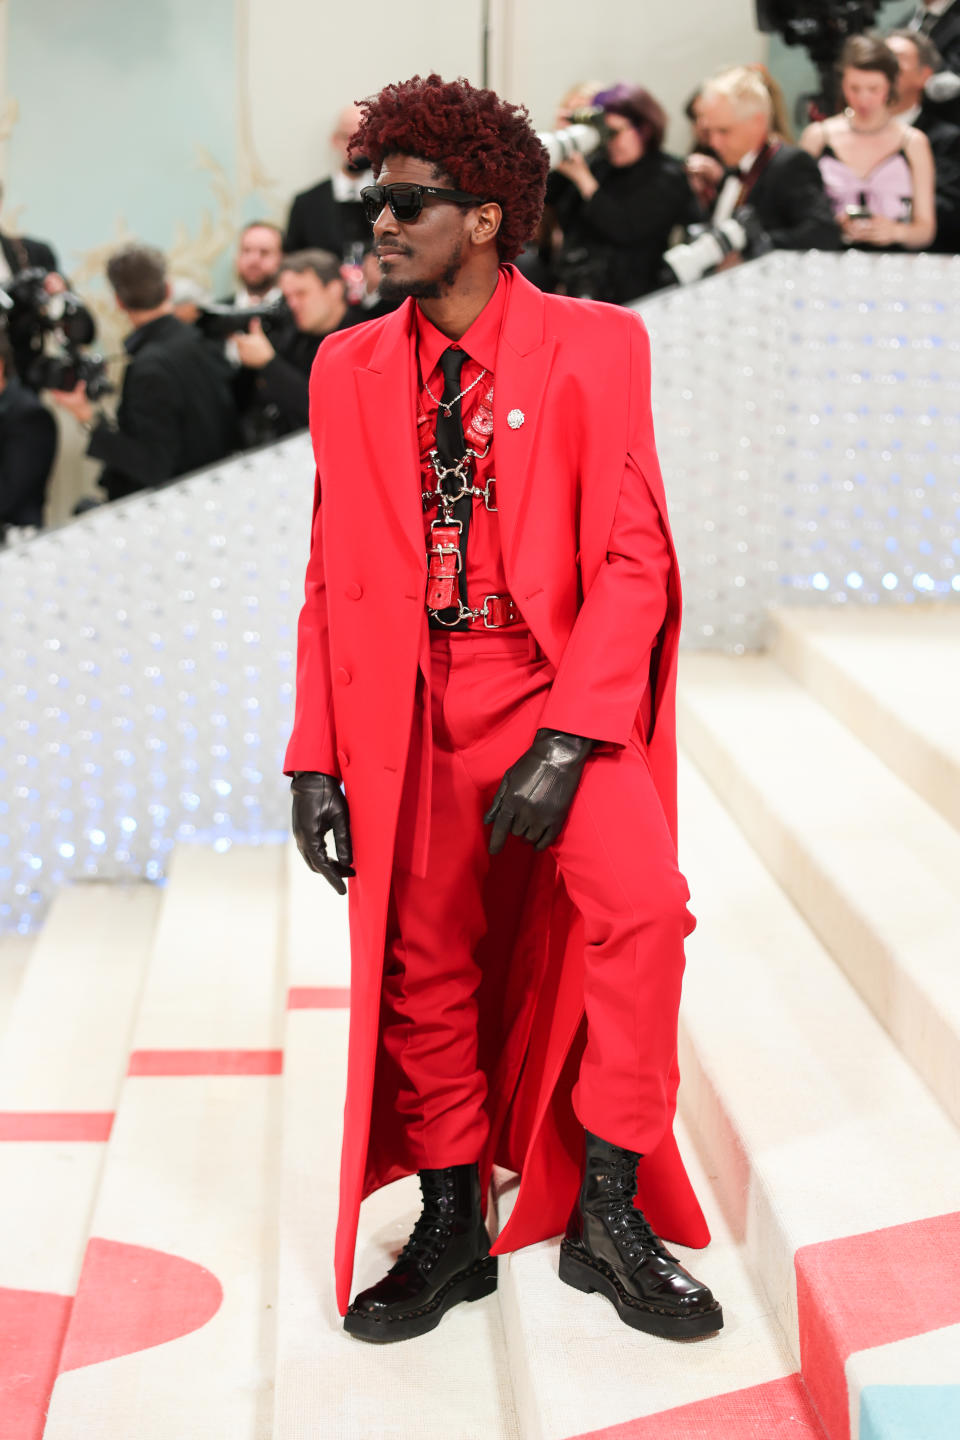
114,97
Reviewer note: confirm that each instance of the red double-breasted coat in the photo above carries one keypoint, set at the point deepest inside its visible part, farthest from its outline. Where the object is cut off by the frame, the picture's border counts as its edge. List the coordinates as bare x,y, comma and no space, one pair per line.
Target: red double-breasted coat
578,373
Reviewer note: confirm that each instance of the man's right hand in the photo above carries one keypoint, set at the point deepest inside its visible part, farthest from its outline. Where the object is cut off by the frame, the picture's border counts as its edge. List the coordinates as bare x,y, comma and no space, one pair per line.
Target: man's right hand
318,807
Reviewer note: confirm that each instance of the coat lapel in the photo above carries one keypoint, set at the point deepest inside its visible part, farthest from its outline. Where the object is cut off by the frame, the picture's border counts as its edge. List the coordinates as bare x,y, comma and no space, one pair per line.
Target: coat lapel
387,402
524,360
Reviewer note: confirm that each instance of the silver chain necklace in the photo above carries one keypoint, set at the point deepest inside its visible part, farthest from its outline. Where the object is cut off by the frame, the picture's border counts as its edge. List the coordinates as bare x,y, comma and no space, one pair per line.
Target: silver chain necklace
448,407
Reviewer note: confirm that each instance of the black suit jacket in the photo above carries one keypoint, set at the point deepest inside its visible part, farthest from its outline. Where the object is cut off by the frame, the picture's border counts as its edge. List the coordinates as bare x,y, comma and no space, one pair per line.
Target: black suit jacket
944,137
28,444
22,253
791,204
176,410
945,34
625,225
319,222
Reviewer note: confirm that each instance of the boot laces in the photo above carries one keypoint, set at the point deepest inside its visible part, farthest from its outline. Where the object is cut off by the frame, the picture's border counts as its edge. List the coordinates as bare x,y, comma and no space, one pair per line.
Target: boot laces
629,1227
632,1231
430,1234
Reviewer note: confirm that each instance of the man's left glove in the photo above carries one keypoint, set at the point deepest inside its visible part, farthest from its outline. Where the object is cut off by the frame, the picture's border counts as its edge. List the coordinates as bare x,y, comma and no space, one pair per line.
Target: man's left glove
319,806
536,792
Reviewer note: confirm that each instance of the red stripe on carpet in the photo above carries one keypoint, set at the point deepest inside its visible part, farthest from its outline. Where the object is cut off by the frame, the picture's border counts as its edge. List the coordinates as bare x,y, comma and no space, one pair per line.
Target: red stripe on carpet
206,1062
869,1290
131,1298
32,1327
318,997
55,1124
777,1410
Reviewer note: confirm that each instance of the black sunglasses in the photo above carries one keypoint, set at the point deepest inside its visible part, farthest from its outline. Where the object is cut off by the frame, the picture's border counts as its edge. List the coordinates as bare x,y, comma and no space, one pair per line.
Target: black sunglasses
406,199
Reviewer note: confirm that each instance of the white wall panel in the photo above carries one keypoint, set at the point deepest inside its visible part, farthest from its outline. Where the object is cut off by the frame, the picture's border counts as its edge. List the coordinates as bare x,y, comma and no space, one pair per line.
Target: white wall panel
305,61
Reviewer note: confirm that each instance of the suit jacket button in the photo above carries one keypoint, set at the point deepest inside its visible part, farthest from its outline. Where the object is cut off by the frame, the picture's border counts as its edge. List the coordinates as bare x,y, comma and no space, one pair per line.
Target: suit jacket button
344,759
354,590
343,676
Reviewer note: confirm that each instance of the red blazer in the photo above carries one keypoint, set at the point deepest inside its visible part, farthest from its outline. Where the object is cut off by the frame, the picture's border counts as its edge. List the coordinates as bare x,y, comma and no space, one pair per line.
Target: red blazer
580,374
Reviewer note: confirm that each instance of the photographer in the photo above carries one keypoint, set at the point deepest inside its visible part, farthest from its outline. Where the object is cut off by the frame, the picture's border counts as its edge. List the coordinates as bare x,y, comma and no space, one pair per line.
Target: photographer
772,197
618,208
176,410
315,294
19,253
28,444
259,255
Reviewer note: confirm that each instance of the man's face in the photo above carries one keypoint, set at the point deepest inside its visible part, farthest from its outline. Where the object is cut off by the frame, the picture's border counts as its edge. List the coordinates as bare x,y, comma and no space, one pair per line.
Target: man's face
313,304
729,135
421,257
258,259
347,123
913,75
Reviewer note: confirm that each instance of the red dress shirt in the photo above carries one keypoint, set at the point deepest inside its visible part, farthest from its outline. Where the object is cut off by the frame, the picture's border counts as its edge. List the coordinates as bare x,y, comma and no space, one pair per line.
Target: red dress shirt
485,573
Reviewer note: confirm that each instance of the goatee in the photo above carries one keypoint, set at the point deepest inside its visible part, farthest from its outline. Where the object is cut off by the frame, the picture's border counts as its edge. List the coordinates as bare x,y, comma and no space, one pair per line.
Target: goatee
395,290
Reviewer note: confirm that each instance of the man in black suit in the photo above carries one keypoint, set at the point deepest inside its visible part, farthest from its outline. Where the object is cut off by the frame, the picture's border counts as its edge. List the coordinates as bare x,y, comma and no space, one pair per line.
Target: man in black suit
315,293
176,409
28,444
919,59
20,252
939,20
773,196
329,216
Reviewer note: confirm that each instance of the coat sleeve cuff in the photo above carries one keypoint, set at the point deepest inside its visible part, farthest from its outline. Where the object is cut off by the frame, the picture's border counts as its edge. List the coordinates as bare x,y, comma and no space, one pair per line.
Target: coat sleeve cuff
582,715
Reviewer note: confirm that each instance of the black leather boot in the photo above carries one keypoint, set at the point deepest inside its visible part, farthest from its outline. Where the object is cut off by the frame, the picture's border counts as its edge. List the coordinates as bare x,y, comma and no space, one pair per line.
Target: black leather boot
447,1259
610,1247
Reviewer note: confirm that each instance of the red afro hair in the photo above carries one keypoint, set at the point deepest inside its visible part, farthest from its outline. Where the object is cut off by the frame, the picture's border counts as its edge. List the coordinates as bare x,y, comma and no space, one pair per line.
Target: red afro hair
483,144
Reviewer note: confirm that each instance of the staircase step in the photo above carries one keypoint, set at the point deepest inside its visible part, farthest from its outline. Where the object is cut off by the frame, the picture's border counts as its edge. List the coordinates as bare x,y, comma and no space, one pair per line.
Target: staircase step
833,1162
172,1330
892,676
577,1369
327,1383
871,866
924,1404
62,1058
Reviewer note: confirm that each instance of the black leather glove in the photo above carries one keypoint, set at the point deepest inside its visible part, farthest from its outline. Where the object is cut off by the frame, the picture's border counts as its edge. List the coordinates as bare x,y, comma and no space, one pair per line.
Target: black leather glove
319,806
536,792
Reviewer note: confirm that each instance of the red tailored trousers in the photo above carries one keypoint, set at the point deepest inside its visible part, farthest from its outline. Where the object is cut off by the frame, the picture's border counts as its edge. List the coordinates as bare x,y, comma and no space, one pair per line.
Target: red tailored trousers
618,863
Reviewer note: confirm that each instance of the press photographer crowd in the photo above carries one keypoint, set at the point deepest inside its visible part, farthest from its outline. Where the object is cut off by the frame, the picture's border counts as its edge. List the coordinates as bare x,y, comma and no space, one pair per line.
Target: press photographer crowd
877,168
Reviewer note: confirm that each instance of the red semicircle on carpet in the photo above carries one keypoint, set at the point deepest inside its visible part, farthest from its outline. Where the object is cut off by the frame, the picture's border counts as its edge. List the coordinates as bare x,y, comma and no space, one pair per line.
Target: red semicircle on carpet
131,1298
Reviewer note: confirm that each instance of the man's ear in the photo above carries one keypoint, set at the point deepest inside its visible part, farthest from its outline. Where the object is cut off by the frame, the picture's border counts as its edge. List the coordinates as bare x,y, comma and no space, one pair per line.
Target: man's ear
489,218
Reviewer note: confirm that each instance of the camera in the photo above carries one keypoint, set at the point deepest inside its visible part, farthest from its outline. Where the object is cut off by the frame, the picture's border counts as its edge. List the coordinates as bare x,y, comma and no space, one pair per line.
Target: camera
31,313
860,211
586,132
821,28
708,245
219,322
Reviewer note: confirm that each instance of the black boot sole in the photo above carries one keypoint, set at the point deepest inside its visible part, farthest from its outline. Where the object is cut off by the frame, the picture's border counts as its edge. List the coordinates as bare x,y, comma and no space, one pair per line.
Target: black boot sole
580,1270
472,1284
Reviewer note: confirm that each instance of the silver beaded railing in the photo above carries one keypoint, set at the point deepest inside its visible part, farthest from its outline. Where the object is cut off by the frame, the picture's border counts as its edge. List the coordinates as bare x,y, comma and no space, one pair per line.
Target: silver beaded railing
809,428
808,420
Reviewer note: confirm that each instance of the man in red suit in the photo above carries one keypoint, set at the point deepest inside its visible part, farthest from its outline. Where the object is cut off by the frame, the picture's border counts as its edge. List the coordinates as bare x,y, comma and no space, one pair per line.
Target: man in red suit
486,666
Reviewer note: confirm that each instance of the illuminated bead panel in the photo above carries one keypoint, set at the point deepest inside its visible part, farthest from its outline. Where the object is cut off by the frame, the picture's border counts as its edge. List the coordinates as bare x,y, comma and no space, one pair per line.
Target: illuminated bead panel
807,417
808,420
148,662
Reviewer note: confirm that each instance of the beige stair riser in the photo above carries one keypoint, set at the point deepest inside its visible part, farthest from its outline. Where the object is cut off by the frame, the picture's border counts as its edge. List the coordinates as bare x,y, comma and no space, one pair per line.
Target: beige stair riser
930,768
844,918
